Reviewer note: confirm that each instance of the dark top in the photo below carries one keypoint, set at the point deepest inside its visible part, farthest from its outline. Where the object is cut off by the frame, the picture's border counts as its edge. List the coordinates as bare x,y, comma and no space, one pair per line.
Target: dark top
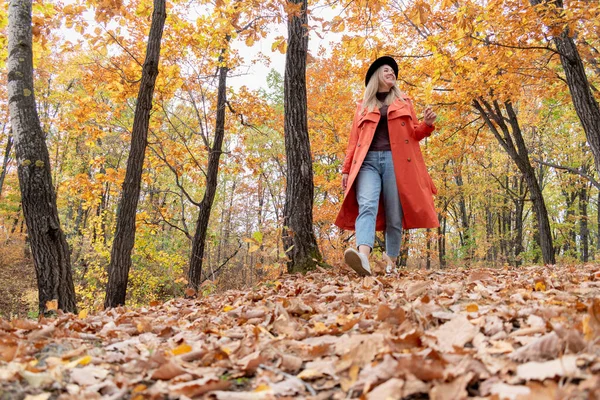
381,138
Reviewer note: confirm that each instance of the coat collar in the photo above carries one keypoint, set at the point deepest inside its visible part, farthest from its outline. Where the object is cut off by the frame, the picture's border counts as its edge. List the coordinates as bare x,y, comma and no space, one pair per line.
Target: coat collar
398,104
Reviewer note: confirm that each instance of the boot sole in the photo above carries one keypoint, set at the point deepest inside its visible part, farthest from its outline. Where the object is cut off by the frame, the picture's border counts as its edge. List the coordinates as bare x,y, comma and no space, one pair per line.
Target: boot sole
353,260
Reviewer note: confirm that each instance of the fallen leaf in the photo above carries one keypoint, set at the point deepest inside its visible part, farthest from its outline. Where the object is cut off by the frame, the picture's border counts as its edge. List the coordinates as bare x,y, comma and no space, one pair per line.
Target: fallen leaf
199,386
563,366
545,348
168,371
88,375
454,390
389,390
456,332
181,349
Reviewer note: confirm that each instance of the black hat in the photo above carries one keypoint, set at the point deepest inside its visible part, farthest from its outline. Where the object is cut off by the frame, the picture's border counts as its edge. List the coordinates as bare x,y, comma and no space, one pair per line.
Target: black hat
385,60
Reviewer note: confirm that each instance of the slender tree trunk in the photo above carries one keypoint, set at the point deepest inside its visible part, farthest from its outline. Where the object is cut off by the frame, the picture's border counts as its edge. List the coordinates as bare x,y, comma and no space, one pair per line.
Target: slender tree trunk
515,147
402,260
518,231
428,247
441,241
120,259
48,243
583,223
570,246
464,217
584,101
5,161
199,241
298,235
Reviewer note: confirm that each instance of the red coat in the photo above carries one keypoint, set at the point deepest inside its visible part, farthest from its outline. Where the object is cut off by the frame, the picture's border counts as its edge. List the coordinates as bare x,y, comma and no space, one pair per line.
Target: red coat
415,186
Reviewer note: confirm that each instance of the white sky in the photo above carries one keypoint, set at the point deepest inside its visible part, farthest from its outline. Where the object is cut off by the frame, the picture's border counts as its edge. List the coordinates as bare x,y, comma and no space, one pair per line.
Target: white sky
256,76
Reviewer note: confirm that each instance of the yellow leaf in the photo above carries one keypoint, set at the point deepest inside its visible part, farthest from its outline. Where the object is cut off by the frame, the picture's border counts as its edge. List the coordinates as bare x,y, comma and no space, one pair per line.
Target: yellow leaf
253,248
540,286
262,387
83,314
181,349
472,308
52,305
139,388
84,360
320,327
228,308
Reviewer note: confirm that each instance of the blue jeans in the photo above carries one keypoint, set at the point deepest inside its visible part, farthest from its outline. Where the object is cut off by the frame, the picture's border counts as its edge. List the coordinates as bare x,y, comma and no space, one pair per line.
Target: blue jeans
376,176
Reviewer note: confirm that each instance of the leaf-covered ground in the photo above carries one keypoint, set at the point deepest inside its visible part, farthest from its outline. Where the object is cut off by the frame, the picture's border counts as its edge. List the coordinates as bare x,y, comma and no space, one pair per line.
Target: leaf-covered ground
526,333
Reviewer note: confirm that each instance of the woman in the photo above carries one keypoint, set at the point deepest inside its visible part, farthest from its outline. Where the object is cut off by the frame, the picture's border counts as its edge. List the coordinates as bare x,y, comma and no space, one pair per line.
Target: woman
384,166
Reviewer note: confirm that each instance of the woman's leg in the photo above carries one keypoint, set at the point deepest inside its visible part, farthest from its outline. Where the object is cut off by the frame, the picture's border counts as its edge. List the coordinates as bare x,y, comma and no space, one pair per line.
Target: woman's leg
393,209
368,189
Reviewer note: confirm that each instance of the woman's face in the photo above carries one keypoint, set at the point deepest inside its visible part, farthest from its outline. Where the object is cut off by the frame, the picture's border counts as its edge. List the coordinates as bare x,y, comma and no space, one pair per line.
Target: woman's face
387,78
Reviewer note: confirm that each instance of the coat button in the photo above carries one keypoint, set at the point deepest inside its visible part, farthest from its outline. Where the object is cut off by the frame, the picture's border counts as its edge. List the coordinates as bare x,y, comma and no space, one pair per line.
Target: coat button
359,145
354,162
408,159
406,141
403,124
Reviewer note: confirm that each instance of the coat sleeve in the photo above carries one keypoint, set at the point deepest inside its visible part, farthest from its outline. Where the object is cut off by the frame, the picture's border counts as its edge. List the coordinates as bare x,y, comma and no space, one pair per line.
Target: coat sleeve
351,144
421,129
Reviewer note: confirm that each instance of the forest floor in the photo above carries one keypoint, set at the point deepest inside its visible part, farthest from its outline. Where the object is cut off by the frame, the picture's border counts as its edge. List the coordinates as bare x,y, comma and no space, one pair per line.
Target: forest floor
509,333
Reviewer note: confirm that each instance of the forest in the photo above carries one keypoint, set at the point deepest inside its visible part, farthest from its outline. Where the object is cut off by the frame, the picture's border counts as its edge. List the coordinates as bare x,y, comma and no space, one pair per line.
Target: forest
141,166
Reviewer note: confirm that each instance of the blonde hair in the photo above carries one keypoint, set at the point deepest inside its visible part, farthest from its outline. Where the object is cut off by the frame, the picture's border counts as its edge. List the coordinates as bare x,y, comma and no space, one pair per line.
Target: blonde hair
370,100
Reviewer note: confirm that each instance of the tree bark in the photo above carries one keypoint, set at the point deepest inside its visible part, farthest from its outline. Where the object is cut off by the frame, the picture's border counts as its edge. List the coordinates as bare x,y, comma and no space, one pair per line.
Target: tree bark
6,160
47,240
120,260
199,241
298,235
583,223
518,231
584,101
514,145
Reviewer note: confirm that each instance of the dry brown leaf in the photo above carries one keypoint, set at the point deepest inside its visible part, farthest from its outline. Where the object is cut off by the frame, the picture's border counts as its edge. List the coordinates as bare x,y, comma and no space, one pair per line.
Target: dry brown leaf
8,349
199,386
512,392
290,363
457,332
454,390
389,390
479,275
25,324
546,347
541,391
591,328
563,366
168,371
250,362
395,315
88,375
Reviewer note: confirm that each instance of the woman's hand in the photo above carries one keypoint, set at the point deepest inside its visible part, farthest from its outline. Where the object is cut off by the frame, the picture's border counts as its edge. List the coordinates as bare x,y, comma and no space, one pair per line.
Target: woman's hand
344,181
429,116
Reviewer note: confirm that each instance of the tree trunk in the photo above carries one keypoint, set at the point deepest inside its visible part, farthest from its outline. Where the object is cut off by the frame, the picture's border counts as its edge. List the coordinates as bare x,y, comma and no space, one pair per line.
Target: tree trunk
583,223
428,248
298,235
570,246
198,243
402,260
464,218
120,258
584,101
516,149
48,243
6,161
518,231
